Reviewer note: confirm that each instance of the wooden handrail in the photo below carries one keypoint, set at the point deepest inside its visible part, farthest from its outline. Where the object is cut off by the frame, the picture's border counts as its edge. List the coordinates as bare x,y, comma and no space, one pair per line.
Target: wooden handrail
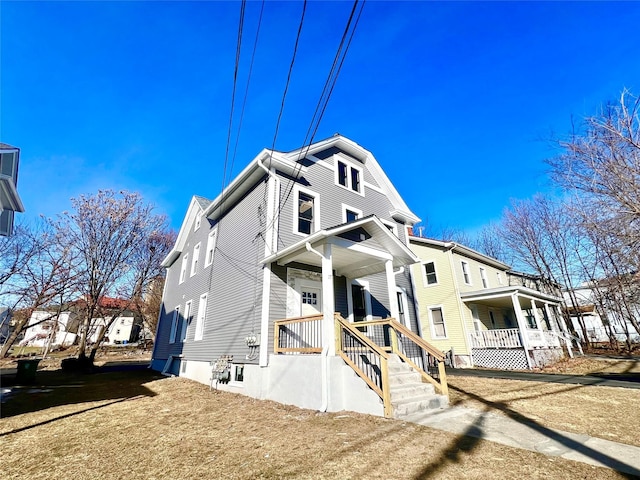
306,318
363,338
418,340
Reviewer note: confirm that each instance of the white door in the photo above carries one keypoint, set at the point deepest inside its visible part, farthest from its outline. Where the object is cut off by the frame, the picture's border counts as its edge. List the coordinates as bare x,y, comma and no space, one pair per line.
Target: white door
310,299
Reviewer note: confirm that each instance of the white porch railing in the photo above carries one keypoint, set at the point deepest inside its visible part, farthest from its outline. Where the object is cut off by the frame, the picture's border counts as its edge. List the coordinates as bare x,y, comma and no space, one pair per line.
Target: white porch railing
511,338
502,338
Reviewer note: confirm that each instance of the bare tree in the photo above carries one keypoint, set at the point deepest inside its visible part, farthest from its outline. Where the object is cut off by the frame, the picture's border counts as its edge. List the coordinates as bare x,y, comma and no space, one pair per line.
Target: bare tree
120,243
46,278
601,161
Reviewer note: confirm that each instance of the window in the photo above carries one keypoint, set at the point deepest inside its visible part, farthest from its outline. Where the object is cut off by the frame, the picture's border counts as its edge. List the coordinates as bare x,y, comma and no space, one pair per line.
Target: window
429,276
118,331
196,226
174,325
306,213
196,257
349,176
391,226
186,320
183,268
465,273
483,276
122,322
499,278
202,312
349,214
239,373
438,329
211,247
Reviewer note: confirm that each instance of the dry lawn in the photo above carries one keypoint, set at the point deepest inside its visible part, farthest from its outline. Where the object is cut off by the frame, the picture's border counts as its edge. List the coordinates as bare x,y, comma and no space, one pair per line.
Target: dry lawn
589,365
137,425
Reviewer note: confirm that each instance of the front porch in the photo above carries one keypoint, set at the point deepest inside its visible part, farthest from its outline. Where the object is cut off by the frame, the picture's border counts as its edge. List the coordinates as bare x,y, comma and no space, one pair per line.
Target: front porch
515,328
401,368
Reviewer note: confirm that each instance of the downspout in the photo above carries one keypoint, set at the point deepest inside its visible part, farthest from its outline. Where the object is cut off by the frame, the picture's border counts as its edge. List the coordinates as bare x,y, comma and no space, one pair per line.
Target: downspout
324,356
269,248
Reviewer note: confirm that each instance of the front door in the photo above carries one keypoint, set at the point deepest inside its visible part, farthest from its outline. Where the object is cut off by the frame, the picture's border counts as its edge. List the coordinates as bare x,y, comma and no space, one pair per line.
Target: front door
310,299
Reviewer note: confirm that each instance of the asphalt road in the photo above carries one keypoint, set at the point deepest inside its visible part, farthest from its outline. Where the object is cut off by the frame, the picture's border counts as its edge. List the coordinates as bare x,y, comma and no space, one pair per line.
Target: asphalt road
624,380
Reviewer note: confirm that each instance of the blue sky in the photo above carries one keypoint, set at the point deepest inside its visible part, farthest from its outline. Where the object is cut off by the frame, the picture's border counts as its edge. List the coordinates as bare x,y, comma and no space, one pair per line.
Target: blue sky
454,99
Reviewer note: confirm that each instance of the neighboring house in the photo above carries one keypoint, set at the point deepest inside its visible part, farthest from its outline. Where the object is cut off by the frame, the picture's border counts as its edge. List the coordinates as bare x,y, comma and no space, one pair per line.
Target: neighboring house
49,328
10,201
488,315
307,233
5,321
606,308
124,330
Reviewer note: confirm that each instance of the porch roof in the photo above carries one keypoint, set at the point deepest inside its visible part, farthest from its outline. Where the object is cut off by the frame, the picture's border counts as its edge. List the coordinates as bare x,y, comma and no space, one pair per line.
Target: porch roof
502,295
359,248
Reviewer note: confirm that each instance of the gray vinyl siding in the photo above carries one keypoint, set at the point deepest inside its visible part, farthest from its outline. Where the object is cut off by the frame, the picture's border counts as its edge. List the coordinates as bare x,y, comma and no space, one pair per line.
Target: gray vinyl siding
233,284
331,197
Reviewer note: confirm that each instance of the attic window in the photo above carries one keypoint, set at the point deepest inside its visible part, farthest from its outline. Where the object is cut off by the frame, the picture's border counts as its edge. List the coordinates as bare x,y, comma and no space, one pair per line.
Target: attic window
306,212
349,176
197,224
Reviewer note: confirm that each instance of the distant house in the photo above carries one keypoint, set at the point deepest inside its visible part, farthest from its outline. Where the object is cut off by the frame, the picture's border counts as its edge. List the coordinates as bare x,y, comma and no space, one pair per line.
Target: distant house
483,312
125,329
49,328
607,308
10,201
294,285
5,320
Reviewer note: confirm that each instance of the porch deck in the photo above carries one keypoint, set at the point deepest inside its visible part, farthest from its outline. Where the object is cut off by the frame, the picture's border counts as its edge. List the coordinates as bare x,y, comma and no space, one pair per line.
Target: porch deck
512,338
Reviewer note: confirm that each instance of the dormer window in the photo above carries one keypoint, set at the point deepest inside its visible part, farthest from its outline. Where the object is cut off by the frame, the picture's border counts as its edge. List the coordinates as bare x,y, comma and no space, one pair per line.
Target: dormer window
349,176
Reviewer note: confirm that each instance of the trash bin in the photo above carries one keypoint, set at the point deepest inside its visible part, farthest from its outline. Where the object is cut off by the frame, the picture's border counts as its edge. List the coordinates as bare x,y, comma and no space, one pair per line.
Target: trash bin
27,370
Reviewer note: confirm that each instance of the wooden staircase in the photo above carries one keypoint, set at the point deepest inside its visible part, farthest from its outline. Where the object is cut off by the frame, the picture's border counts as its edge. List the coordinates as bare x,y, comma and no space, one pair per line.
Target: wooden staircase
409,394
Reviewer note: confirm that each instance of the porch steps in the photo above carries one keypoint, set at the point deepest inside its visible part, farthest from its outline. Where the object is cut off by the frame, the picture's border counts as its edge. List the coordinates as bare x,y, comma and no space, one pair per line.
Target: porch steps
409,395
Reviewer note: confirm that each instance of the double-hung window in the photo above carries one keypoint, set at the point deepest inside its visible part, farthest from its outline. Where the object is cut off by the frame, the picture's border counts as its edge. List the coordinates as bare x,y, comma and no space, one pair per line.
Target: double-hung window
483,276
175,319
429,274
349,176
202,312
183,268
211,247
306,213
196,258
465,273
438,329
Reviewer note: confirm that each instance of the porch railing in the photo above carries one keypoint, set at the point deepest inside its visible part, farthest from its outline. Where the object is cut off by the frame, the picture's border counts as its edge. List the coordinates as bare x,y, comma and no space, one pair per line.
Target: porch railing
511,338
502,338
298,335
365,347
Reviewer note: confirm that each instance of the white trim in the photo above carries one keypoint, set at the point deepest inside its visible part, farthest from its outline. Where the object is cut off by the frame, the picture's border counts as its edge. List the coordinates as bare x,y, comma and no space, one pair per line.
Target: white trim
200,320
373,187
197,223
264,321
195,259
337,158
499,274
425,282
316,207
430,309
212,240
174,325
346,207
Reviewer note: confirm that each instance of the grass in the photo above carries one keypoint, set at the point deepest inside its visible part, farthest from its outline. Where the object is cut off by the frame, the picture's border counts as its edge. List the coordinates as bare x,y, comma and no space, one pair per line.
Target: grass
139,425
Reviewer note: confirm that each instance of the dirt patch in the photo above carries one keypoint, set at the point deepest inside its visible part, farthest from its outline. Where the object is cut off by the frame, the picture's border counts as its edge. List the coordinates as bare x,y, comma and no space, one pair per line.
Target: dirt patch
137,425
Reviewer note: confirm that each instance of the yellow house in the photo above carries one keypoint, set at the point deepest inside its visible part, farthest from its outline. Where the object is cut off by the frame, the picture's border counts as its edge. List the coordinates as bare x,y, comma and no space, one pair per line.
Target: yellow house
482,312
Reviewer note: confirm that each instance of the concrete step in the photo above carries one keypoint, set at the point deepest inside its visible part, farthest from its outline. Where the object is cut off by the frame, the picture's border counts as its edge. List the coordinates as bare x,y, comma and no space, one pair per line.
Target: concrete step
411,390
409,406
403,378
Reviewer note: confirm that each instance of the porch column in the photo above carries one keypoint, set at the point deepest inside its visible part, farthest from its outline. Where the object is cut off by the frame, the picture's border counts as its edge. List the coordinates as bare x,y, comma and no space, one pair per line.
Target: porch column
328,301
521,325
391,287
